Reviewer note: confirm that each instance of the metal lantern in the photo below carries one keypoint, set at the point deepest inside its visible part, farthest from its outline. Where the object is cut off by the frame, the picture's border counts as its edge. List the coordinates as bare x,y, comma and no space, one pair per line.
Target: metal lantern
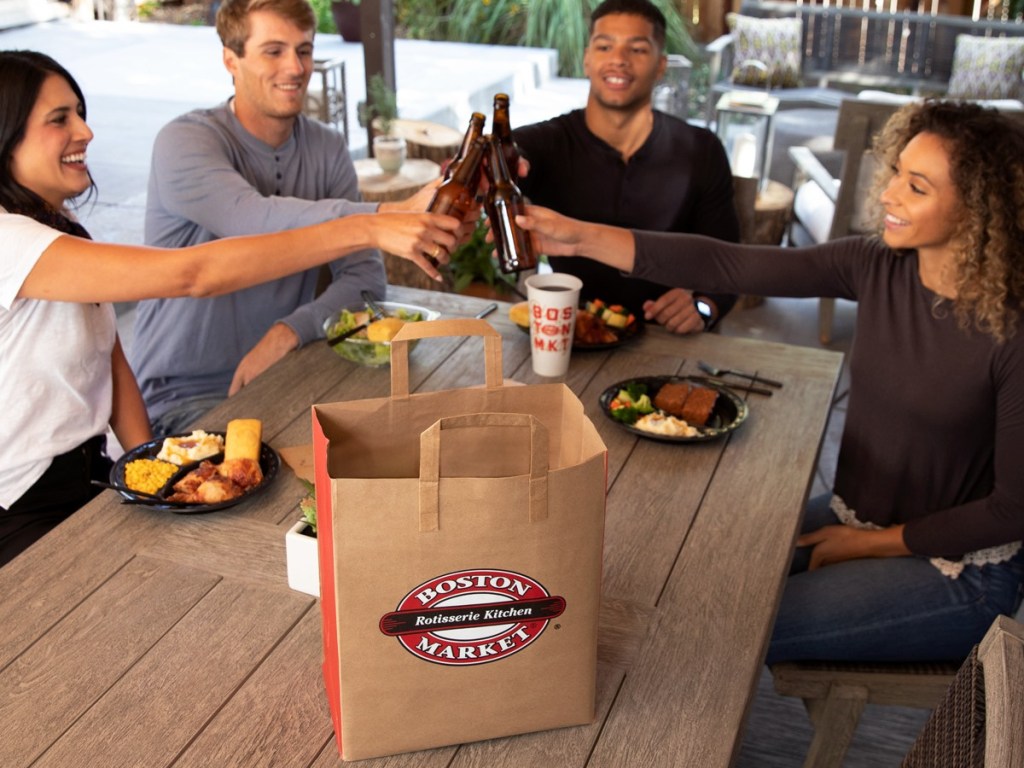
745,130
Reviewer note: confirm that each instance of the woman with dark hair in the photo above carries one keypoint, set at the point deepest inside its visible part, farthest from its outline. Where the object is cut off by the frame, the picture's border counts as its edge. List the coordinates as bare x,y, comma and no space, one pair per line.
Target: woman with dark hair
64,378
918,548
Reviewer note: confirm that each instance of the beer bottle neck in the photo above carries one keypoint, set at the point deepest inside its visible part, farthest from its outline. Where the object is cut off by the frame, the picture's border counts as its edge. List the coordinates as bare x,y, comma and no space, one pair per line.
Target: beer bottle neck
473,132
466,169
499,168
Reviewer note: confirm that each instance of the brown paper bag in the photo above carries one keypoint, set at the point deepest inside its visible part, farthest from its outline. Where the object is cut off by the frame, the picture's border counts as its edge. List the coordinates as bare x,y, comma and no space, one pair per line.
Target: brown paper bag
460,539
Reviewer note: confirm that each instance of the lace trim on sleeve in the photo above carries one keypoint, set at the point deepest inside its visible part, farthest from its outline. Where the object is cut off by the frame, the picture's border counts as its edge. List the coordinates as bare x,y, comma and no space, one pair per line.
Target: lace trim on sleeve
950,568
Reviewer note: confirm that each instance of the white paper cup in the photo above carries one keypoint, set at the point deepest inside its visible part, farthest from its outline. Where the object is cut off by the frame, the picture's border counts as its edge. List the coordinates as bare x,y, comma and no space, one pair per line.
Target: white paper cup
553,301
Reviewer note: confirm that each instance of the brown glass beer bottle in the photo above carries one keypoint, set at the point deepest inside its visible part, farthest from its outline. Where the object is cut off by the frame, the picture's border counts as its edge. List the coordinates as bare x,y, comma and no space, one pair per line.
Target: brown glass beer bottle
457,196
504,203
474,131
501,128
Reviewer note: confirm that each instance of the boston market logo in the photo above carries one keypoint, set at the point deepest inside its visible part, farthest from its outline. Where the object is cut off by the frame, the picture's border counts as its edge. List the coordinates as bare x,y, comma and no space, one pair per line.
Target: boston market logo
472,617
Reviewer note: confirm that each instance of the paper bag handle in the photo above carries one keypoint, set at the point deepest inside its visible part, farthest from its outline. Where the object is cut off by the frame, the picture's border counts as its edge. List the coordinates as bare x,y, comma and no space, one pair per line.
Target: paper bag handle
438,328
430,461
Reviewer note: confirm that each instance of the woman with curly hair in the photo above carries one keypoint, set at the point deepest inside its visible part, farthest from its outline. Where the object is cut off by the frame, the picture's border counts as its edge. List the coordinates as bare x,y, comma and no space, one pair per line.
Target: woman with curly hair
918,548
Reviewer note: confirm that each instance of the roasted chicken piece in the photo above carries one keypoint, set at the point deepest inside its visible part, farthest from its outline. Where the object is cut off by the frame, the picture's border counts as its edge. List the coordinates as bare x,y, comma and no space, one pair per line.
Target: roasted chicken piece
242,472
187,486
213,483
216,490
591,330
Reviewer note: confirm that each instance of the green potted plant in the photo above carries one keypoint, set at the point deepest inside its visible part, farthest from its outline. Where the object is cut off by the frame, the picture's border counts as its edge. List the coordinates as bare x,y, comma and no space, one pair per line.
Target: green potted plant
301,553
474,269
380,110
346,15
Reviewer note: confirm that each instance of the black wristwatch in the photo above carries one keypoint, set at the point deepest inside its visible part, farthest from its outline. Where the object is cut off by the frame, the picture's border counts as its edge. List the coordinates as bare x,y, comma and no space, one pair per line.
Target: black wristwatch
704,310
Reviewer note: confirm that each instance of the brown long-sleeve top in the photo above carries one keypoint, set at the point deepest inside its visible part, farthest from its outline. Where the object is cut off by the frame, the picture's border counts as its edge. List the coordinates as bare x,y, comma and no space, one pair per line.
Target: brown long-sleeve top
934,434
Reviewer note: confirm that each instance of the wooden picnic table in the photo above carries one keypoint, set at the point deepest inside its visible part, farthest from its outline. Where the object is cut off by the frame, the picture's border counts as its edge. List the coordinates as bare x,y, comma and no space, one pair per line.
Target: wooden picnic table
138,637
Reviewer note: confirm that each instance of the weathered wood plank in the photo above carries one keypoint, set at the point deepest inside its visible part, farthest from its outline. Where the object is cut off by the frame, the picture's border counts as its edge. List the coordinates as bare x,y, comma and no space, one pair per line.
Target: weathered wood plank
279,716
242,548
622,629
292,375
201,660
33,599
55,681
710,600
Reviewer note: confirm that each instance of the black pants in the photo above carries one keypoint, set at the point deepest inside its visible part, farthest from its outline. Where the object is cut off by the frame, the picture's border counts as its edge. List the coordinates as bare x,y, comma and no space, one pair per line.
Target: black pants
62,489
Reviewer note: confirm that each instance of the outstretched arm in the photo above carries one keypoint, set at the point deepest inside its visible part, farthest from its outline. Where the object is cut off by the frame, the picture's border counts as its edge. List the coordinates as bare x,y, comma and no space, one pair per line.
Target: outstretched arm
558,235
73,269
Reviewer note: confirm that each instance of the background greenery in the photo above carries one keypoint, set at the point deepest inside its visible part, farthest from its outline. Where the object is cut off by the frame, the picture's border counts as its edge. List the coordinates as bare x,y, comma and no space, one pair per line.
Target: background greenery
558,24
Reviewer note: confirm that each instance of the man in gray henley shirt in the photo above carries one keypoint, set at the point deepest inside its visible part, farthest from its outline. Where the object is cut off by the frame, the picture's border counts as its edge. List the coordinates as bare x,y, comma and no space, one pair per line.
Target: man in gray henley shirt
252,165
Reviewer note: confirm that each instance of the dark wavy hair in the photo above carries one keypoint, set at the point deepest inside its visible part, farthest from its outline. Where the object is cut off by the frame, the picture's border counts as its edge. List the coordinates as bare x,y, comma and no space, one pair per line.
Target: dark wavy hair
986,157
21,78
643,8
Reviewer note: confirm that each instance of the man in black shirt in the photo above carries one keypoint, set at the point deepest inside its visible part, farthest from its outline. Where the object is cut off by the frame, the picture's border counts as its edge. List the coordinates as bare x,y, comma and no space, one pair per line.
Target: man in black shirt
617,161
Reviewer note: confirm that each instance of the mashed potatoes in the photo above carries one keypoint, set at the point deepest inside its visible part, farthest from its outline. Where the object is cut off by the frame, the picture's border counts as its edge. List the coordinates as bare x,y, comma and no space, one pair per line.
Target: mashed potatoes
191,448
663,424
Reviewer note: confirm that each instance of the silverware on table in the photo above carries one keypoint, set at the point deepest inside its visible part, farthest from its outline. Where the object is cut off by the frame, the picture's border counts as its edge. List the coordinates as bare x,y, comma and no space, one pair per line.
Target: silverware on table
376,311
747,389
712,371
335,340
486,311
140,497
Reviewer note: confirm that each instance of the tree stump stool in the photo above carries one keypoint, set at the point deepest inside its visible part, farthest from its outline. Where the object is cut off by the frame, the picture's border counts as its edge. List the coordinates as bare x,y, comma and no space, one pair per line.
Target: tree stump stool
425,140
773,208
377,186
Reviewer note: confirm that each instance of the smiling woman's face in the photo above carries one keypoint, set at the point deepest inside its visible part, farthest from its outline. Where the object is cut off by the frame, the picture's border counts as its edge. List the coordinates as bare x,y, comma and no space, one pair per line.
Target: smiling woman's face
50,159
921,202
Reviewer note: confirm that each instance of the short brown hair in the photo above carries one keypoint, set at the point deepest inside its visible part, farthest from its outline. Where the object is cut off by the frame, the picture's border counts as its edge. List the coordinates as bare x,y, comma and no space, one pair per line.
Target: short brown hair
233,18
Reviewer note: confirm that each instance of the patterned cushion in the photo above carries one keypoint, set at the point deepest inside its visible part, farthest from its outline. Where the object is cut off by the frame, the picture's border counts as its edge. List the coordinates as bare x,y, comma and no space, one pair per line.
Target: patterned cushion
773,42
987,68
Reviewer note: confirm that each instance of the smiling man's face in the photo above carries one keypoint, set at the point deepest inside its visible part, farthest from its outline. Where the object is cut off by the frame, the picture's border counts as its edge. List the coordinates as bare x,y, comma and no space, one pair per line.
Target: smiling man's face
272,77
623,61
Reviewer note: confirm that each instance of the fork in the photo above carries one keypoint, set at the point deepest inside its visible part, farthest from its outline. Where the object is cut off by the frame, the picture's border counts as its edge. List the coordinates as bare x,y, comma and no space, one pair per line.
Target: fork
376,312
712,371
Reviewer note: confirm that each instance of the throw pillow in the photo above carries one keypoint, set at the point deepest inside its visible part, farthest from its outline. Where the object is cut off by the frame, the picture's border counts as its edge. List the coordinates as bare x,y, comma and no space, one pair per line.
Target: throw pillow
987,68
775,43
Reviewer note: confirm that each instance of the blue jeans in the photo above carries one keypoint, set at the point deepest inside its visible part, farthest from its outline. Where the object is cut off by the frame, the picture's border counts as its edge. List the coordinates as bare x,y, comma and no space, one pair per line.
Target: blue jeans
181,417
887,609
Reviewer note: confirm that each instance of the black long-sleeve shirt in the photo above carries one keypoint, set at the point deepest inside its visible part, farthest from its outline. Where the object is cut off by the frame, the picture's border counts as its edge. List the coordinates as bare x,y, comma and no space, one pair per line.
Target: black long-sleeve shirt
678,181
934,433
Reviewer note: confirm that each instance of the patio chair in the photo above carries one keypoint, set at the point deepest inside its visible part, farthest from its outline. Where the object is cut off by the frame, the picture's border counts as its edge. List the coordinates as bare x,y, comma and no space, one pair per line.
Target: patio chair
977,705
831,205
978,722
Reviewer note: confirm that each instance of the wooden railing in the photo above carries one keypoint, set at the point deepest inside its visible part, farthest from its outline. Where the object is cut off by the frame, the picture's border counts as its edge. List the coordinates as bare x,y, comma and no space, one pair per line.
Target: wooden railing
855,48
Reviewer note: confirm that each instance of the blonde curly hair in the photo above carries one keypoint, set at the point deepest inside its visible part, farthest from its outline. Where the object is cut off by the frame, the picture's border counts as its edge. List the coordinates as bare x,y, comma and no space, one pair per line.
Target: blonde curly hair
986,157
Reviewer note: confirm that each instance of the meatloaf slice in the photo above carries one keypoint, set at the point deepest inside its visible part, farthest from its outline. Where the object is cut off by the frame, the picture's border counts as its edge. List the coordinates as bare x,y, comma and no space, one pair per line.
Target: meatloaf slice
698,406
671,397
